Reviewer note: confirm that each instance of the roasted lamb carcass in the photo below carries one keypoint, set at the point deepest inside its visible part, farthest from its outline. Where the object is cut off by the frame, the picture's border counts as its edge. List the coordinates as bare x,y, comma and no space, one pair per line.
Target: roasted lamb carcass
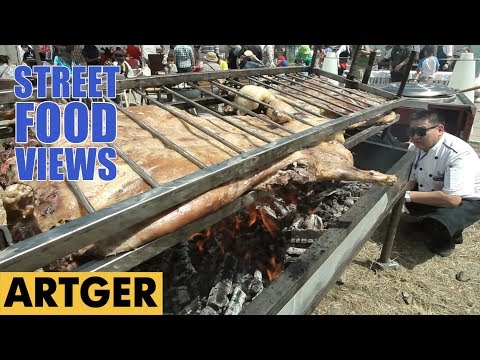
55,204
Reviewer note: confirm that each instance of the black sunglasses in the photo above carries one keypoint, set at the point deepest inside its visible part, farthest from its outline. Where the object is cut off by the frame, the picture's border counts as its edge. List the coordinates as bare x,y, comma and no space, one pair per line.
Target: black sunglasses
419,131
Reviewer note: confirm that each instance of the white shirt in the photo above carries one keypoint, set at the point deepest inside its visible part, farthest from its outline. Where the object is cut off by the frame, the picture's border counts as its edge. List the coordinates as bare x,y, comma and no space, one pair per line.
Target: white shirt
447,49
388,53
451,166
148,49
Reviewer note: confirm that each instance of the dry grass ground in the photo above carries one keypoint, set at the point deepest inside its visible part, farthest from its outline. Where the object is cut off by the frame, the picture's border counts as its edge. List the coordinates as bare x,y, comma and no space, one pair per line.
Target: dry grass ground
423,284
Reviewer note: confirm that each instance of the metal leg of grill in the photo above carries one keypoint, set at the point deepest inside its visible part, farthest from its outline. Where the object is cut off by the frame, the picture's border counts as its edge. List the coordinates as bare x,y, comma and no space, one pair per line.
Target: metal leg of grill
384,261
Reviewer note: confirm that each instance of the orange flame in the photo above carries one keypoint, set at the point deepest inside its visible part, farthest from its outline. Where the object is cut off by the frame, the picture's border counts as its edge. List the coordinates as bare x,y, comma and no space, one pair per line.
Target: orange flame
269,222
252,211
200,238
275,268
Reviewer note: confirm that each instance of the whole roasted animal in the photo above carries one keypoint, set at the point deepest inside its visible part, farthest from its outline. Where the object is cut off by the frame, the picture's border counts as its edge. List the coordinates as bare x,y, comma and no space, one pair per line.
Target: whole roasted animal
55,204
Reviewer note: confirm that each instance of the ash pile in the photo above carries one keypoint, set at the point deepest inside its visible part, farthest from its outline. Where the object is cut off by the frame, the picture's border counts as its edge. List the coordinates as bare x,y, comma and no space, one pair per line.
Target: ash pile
223,268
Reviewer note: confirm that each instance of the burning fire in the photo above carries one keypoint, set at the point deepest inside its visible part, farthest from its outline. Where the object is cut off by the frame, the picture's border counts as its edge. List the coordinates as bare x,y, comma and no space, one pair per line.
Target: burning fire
275,269
244,235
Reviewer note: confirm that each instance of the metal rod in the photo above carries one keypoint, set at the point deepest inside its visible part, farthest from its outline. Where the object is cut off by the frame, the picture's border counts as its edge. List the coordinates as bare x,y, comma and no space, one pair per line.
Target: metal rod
368,70
347,90
291,103
80,195
36,251
159,136
294,96
311,95
314,56
413,54
355,91
76,190
353,66
249,112
158,80
332,88
188,121
264,103
220,116
128,260
365,134
142,173
392,230
324,92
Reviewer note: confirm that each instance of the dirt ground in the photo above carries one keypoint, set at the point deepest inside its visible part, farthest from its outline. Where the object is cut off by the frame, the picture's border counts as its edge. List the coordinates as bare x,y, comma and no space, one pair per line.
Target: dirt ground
423,284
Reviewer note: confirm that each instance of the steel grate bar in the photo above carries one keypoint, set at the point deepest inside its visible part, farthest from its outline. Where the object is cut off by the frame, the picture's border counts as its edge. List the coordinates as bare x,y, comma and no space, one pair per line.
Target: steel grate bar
190,122
142,173
351,91
249,112
291,103
268,105
76,190
322,91
233,123
308,94
158,135
333,88
294,96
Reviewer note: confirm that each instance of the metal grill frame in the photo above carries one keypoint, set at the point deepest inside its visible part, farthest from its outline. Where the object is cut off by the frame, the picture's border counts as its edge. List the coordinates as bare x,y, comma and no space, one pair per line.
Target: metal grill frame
37,251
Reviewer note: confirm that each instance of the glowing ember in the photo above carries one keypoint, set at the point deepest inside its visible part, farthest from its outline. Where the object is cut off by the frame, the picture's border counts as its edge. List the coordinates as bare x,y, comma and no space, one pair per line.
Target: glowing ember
275,268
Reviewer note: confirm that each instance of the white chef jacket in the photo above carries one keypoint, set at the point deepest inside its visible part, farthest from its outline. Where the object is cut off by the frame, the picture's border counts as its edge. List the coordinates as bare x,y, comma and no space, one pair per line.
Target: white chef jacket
451,165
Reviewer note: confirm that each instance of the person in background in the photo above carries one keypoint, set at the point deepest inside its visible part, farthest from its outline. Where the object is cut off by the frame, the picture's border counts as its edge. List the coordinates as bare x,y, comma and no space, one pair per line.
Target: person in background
106,56
147,50
91,54
282,61
170,67
184,58
444,53
361,62
427,66
232,58
204,49
28,55
210,62
384,63
303,56
133,52
344,53
268,55
169,54
64,57
77,56
444,182
222,62
196,52
119,60
6,70
255,49
249,61
398,61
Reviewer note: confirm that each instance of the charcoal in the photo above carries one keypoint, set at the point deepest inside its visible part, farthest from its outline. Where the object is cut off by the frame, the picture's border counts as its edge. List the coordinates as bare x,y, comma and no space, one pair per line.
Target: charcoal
349,202
191,308
256,286
313,222
218,297
208,311
236,303
295,251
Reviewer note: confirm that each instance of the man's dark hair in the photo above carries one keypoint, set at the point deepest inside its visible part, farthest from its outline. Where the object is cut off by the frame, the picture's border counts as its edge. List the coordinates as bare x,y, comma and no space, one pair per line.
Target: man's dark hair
432,116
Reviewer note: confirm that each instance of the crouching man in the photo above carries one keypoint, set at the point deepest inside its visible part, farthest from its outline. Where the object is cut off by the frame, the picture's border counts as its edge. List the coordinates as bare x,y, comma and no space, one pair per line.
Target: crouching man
445,182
